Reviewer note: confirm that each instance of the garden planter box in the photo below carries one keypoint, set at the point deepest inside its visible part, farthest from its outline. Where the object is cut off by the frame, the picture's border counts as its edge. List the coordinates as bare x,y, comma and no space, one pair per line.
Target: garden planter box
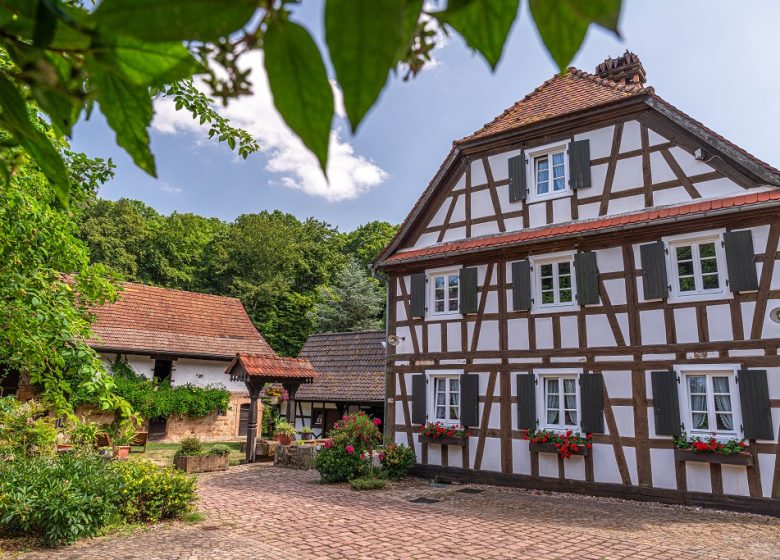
201,463
460,441
549,447
745,459
295,456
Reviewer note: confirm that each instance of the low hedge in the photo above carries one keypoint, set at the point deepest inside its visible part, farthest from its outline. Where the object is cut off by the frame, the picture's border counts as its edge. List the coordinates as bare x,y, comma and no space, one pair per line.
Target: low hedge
63,498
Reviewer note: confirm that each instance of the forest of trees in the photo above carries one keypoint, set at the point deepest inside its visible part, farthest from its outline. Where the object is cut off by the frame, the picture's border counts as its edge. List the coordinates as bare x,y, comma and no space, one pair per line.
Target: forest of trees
294,277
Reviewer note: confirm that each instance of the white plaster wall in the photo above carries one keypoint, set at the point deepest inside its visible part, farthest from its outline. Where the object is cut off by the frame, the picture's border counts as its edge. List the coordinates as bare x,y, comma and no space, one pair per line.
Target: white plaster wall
202,373
662,468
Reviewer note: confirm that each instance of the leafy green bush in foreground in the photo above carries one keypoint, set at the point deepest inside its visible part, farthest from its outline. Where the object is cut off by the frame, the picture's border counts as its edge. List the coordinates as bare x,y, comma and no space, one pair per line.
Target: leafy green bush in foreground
61,499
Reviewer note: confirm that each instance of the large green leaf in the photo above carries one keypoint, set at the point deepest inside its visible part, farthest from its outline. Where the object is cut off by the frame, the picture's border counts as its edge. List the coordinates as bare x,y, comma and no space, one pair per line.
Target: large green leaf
47,23
366,38
145,63
15,118
484,24
128,110
299,84
174,20
564,23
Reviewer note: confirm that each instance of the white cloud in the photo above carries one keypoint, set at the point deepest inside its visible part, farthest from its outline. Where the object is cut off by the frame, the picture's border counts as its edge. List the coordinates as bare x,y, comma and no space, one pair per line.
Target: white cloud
165,187
349,174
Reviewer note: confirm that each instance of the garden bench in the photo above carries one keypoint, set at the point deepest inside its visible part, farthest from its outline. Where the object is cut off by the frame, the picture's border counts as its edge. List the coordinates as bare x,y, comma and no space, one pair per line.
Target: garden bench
103,440
139,441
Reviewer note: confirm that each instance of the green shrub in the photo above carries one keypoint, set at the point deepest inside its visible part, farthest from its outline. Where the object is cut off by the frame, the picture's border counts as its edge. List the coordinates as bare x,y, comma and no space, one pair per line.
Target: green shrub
58,499
84,434
189,446
397,460
335,464
151,493
25,430
349,453
219,449
367,483
63,498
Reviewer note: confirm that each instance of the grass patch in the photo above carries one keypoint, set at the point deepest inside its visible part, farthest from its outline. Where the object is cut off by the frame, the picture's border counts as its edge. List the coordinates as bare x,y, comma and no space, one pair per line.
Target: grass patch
162,453
193,517
367,483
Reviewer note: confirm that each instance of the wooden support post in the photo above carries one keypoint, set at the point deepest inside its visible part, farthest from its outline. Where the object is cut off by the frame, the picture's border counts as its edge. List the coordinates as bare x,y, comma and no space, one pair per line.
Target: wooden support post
253,387
291,388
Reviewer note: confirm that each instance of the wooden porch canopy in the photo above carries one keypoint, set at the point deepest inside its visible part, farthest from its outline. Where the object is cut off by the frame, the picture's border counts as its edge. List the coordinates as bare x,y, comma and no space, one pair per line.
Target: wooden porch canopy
255,370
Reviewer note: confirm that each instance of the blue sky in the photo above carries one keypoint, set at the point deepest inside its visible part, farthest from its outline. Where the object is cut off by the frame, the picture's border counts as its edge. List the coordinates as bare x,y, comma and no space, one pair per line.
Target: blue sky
710,59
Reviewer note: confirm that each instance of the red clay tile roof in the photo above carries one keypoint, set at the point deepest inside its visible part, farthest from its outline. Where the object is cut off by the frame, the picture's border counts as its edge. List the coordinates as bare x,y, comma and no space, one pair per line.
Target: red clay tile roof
151,320
572,91
645,217
351,367
271,366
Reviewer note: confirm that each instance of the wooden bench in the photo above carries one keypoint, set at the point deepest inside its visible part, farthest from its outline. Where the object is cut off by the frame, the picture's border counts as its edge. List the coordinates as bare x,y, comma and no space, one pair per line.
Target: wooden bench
103,440
139,441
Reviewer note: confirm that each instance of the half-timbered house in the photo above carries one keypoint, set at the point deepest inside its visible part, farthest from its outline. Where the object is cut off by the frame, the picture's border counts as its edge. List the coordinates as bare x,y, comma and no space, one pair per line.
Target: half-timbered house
593,260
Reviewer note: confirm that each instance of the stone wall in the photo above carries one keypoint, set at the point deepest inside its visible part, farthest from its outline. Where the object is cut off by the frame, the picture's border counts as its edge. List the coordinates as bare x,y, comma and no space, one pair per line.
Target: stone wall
213,427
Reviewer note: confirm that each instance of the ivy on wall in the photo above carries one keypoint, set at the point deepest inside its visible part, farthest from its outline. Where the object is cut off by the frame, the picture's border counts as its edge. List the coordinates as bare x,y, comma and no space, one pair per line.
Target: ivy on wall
154,399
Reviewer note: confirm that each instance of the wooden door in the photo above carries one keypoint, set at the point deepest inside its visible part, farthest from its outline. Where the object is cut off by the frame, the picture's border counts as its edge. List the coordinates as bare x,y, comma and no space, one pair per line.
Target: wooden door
243,419
157,429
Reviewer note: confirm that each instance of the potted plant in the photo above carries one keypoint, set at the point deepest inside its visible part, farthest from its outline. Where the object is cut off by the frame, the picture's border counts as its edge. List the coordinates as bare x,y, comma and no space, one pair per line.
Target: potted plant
307,433
284,432
84,434
123,436
191,457
565,444
710,449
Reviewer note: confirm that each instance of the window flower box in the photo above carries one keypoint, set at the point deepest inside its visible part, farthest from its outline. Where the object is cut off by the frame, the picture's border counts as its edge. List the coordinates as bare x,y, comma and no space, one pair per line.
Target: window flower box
742,458
460,441
443,434
549,447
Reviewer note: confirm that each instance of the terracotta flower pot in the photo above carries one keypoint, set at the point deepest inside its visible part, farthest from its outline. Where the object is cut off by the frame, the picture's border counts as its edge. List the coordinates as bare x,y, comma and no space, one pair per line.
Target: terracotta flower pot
122,452
283,439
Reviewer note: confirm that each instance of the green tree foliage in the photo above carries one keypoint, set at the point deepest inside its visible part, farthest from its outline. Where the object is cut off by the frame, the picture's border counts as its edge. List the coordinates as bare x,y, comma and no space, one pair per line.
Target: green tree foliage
354,302
47,283
366,242
67,56
276,264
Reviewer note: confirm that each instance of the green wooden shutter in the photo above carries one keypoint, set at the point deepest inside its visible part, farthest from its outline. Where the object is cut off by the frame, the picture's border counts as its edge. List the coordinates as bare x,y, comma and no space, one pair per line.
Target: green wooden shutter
654,279
754,397
526,401
517,186
419,399
666,404
521,286
469,399
468,290
740,260
592,403
587,272
418,294
579,164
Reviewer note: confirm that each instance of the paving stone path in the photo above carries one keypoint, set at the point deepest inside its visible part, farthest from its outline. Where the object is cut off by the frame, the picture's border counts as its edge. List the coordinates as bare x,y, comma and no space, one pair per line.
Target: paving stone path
261,511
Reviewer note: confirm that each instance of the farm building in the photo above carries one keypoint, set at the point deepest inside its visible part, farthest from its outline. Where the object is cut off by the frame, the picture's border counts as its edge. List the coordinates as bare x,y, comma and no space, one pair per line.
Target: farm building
593,261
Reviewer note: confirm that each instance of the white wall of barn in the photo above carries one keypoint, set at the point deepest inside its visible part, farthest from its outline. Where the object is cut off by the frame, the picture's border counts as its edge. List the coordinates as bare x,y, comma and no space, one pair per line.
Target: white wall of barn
199,373
627,176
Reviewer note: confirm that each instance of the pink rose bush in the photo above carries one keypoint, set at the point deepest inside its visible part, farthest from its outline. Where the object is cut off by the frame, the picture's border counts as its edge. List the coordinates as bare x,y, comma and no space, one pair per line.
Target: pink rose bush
354,450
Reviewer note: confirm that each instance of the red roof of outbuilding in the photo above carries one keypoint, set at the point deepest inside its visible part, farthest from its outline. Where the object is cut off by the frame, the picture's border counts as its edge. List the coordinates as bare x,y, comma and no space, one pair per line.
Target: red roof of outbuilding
610,222
271,366
151,320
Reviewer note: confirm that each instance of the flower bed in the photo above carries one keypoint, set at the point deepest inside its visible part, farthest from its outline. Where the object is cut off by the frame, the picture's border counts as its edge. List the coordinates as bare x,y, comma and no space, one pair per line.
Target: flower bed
443,434
193,458
711,450
565,445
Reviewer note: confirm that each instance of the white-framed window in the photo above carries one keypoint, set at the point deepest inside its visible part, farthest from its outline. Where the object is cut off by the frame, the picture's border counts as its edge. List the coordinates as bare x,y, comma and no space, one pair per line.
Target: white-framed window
554,282
698,266
560,401
445,402
550,173
710,401
548,170
445,292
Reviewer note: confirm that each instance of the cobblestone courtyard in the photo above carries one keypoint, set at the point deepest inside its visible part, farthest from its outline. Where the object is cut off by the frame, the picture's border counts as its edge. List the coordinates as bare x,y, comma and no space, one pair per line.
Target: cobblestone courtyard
265,512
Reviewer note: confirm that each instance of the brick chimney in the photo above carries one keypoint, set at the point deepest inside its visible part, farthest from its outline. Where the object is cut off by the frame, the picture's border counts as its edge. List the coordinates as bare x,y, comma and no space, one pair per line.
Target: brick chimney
625,69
